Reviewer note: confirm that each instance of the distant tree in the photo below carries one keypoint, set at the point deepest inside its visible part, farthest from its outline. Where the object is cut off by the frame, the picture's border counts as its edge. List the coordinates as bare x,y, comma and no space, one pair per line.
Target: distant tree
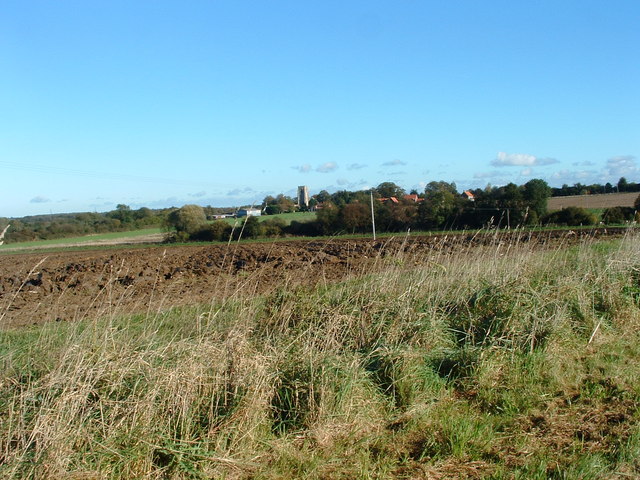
389,189
142,213
535,193
327,218
322,196
440,186
122,213
269,200
439,207
251,228
286,204
272,209
636,204
355,217
187,219
622,184
273,227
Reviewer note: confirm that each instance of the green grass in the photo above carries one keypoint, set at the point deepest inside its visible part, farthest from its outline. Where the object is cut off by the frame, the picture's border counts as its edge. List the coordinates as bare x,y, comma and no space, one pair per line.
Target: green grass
82,239
287,217
500,362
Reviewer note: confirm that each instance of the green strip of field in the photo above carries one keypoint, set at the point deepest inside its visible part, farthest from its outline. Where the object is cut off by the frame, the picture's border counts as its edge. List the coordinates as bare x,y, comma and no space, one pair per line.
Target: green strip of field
287,217
84,239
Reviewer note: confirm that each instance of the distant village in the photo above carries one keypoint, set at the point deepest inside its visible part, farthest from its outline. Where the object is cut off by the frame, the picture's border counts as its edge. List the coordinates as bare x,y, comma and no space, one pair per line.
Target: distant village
303,201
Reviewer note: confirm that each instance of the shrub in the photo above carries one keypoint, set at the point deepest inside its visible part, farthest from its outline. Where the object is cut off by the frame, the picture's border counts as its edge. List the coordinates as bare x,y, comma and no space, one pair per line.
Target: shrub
615,215
570,216
217,231
187,219
273,227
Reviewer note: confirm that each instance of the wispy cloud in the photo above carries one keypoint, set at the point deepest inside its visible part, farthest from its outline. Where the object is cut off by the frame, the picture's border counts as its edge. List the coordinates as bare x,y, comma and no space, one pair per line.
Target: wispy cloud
356,166
622,166
484,175
198,194
240,191
520,160
39,199
327,167
574,176
394,163
305,168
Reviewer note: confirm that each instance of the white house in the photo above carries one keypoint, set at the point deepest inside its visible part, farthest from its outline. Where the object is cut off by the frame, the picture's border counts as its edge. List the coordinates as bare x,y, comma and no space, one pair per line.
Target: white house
249,212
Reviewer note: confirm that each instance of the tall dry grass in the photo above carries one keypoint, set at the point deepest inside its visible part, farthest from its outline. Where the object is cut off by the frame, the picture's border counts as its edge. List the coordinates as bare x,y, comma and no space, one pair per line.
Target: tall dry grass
436,365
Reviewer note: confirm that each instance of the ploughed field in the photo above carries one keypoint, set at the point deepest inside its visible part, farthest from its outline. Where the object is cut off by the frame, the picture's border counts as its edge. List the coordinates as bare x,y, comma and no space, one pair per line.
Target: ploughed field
607,200
73,285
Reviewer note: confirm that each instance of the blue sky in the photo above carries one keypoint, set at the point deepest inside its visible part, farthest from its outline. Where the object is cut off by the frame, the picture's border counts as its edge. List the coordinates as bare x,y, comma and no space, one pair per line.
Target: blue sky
158,103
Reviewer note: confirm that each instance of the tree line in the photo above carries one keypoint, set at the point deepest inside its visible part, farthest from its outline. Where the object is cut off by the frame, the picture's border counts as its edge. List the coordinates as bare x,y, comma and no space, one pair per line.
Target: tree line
440,206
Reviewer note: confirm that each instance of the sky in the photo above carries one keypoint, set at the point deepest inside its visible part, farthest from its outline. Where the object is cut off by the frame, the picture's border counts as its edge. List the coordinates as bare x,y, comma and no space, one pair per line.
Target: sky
164,103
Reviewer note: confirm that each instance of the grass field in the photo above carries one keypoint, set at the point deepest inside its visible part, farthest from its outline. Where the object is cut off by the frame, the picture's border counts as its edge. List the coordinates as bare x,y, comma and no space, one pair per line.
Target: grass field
86,239
287,217
504,362
136,235
593,202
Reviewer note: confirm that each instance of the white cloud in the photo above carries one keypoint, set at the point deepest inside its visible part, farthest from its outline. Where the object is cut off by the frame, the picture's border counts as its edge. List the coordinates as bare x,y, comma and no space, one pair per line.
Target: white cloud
575,176
327,167
198,194
240,191
622,166
356,166
342,181
306,168
393,163
504,159
483,175
39,199
526,172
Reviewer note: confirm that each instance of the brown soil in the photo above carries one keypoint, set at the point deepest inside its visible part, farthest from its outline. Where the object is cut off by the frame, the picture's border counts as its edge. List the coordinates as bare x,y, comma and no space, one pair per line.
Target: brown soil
71,285
607,200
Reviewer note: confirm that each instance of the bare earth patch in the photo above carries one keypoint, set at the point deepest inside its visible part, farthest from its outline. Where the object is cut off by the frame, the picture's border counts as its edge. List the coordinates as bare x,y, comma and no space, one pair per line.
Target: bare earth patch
72,285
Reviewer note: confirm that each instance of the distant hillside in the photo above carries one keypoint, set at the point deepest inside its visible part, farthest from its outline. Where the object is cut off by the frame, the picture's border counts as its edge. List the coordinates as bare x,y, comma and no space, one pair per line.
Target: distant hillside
593,201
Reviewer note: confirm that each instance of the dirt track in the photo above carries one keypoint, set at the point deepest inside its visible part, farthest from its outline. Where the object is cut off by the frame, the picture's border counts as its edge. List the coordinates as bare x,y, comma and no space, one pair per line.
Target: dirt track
71,285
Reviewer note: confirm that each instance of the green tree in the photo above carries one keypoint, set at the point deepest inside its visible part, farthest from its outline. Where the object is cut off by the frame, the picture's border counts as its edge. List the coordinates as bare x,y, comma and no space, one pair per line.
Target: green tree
187,219
636,204
535,193
355,217
251,228
572,216
440,186
323,196
122,212
439,207
622,184
389,189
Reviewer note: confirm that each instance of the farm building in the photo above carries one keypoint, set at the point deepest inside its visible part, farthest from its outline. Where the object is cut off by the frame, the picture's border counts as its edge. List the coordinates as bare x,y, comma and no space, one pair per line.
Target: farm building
249,212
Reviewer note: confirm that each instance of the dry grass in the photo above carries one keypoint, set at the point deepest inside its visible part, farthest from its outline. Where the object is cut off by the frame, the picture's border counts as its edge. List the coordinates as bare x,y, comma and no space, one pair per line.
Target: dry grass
499,361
